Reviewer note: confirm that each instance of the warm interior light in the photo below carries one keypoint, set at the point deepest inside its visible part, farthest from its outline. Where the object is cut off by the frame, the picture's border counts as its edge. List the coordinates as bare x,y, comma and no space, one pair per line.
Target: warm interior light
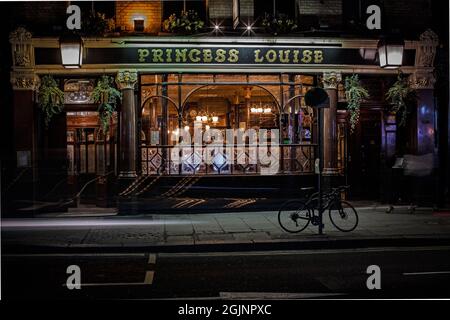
248,92
215,118
207,127
236,98
198,118
186,128
204,118
139,24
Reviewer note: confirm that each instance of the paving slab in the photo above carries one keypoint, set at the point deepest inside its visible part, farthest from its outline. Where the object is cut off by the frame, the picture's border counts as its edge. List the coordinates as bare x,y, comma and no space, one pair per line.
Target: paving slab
216,229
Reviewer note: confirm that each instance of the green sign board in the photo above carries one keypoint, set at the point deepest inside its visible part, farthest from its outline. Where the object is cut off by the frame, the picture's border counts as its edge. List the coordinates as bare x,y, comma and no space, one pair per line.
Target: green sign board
217,55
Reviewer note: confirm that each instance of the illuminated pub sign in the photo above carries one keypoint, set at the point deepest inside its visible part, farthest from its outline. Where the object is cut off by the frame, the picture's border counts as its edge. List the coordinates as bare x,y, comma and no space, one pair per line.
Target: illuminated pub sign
218,55
233,55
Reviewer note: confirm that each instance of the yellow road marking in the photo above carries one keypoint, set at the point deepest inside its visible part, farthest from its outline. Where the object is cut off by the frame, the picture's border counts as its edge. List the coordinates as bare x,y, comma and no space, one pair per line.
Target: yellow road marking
149,277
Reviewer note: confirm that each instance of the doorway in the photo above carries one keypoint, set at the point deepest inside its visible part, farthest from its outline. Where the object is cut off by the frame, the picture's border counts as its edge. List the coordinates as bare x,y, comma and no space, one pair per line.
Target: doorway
364,156
90,155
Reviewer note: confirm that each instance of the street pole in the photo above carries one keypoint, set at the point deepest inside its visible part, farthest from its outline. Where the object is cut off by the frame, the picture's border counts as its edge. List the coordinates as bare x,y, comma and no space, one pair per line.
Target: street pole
318,98
319,182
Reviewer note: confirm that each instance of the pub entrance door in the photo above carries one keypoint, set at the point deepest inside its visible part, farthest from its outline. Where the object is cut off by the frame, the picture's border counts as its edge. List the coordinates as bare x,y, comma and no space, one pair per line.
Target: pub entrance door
364,157
90,157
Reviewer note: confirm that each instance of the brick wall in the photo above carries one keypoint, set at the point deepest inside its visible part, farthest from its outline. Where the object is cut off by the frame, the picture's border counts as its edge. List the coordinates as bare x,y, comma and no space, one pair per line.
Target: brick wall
321,8
126,11
325,12
246,8
413,15
220,9
223,9
39,17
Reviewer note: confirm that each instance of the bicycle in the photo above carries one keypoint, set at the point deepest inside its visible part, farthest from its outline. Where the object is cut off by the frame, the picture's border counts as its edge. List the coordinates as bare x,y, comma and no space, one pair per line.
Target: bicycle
295,215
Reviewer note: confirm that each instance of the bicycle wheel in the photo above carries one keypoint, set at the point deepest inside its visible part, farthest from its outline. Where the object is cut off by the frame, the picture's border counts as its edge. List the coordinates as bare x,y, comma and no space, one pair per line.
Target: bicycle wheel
294,216
343,216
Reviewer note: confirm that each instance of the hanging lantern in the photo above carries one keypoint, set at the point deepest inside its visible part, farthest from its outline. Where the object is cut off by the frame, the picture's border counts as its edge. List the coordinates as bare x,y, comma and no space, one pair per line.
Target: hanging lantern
390,53
236,99
368,54
71,47
248,92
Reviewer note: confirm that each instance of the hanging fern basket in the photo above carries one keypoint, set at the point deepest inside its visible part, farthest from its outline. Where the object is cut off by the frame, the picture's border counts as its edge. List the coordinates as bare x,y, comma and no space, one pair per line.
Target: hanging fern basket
355,94
50,98
107,96
401,96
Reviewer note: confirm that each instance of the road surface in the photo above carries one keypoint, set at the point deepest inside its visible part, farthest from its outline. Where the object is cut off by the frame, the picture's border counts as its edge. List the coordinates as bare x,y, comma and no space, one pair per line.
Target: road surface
418,272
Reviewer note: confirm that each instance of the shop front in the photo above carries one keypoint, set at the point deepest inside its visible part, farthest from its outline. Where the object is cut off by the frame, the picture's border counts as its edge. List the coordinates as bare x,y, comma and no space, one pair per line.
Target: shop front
178,104
174,87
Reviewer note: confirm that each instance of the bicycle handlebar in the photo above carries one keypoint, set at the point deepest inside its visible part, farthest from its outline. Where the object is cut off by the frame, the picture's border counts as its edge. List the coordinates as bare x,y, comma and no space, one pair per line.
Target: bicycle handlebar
341,188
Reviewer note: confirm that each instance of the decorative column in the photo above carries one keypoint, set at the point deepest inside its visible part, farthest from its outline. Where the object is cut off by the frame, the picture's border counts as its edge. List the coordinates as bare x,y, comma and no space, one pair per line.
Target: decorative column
126,81
330,156
24,83
423,81
425,135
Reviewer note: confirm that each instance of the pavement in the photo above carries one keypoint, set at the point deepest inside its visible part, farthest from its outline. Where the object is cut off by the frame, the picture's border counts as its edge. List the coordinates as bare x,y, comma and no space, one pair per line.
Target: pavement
220,231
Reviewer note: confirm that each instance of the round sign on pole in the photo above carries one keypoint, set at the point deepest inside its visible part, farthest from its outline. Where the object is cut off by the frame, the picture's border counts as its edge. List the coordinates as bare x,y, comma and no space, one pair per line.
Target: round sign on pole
317,98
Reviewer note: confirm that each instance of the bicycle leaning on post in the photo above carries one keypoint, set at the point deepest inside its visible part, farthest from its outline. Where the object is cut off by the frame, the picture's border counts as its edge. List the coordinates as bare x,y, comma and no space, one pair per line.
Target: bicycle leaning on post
295,215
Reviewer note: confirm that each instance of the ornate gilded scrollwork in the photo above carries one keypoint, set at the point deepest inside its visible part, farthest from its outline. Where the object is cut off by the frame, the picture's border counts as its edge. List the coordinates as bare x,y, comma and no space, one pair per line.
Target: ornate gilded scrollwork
426,50
24,81
22,50
422,80
126,79
331,79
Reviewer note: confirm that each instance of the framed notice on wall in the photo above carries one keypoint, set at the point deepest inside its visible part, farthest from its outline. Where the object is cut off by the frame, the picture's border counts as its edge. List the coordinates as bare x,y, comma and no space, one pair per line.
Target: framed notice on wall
154,137
24,159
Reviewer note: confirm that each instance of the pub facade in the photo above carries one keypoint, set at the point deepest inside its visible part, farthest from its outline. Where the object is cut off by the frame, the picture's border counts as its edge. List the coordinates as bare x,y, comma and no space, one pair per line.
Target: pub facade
171,85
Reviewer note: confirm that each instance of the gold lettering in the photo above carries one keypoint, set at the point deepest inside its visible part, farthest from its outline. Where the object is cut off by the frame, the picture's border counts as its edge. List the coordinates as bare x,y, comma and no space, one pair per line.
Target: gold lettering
234,56
318,56
168,55
307,56
207,55
271,56
220,55
157,55
284,56
258,59
296,53
143,53
180,55
194,55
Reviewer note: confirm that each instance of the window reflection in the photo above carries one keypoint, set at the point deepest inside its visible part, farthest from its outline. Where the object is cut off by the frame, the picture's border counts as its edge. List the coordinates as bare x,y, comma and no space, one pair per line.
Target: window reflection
179,102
